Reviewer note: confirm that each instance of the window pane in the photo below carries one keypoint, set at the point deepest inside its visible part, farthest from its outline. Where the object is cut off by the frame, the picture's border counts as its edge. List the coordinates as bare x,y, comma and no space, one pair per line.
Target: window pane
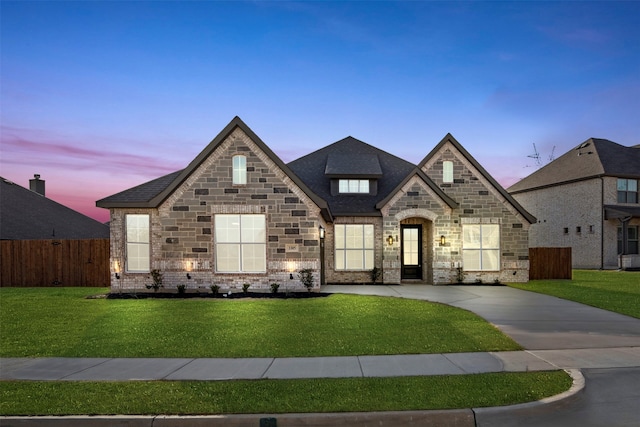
471,236
354,260
340,235
364,186
471,260
340,259
343,186
368,236
353,236
368,259
227,228
632,197
253,229
239,170
447,171
622,185
253,258
622,197
491,260
228,258
138,257
353,186
490,236
632,233
632,185
137,228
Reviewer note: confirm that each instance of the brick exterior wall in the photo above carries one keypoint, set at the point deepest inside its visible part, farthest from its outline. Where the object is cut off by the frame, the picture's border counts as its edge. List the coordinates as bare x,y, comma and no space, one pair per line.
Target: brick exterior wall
183,227
572,215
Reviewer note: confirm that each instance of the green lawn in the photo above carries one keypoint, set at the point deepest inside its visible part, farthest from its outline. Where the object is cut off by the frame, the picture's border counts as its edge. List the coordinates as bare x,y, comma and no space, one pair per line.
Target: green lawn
278,396
39,322
617,291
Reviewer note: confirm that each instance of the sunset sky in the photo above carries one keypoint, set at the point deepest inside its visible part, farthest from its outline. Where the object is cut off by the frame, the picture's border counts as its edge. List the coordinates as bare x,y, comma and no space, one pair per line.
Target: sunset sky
97,97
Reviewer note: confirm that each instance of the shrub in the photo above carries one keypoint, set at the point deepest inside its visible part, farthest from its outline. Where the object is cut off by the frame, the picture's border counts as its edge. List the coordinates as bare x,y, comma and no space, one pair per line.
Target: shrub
375,274
306,277
214,289
156,276
182,289
274,288
245,287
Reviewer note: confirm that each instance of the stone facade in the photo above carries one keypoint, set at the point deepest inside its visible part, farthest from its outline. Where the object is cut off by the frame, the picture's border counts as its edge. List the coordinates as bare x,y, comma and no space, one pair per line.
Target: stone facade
184,211
183,227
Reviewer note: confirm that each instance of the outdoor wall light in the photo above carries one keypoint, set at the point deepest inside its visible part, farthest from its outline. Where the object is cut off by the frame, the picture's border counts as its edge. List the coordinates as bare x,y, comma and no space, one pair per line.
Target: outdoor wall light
117,275
443,240
290,276
188,276
390,240
321,232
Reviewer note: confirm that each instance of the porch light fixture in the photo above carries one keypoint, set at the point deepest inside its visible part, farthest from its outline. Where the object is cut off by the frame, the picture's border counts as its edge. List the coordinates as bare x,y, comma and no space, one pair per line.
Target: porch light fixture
290,276
390,240
117,275
188,276
443,240
321,232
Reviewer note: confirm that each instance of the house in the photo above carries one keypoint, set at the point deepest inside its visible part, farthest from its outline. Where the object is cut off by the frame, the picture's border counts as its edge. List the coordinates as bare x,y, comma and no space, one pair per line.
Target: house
237,214
587,199
27,214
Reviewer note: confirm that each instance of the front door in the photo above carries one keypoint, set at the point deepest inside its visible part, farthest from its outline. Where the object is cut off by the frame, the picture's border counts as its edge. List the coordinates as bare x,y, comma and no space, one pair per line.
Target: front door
411,249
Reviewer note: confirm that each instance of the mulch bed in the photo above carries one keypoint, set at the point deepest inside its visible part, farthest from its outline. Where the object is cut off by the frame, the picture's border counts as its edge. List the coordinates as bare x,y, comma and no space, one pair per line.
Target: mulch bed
220,295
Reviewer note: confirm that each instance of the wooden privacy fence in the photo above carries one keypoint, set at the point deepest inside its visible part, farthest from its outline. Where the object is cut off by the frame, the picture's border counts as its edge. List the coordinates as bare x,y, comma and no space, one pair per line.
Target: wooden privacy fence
54,263
549,263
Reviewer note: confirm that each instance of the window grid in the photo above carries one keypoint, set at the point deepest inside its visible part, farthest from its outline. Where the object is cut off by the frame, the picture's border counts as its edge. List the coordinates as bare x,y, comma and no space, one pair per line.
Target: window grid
353,186
137,243
627,190
481,247
354,246
632,240
447,171
239,170
240,243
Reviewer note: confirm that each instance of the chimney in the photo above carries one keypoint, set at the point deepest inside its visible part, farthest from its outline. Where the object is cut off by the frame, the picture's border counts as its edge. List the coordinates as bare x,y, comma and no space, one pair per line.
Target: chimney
36,184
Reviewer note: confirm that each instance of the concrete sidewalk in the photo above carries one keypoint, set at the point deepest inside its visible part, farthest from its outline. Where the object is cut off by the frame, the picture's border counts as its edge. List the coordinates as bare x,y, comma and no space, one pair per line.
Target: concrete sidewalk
136,369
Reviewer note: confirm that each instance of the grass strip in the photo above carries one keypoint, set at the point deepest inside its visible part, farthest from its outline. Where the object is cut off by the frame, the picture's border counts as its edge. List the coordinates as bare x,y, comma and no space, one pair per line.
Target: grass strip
278,396
61,322
617,291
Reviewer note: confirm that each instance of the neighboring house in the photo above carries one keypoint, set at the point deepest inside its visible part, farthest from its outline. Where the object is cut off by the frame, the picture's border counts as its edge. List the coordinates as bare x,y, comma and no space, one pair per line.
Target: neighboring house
26,214
237,214
587,199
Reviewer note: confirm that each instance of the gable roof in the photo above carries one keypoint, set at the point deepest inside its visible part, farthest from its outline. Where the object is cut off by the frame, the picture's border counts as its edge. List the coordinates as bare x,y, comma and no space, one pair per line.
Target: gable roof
153,193
312,170
593,158
449,139
417,171
27,215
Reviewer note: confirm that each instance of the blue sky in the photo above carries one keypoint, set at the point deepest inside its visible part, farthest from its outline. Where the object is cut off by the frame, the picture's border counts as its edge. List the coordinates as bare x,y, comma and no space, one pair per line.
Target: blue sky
97,97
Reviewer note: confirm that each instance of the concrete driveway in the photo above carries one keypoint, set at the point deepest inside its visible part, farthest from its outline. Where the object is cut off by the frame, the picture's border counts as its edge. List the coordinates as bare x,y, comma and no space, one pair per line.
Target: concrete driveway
535,321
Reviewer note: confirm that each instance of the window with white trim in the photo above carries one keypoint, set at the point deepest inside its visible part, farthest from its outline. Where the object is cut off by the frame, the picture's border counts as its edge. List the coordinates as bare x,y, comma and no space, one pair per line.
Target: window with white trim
354,246
447,171
481,247
137,243
353,186
240,243
239,170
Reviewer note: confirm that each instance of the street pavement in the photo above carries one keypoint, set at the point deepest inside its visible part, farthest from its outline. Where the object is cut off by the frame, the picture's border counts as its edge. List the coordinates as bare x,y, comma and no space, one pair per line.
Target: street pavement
555,333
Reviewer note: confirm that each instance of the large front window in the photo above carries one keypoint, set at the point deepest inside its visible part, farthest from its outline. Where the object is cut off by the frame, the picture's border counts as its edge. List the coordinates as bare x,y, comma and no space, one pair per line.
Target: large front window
138,257
481,247
354,246
627,191
240,243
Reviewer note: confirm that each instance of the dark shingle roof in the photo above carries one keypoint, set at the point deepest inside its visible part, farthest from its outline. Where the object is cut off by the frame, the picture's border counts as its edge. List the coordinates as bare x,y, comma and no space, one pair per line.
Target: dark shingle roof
342,165
593,158
27,215
311,169
141,193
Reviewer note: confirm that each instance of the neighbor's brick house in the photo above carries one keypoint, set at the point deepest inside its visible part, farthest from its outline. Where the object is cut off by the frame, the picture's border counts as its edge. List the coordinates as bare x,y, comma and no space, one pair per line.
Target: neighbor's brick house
237,214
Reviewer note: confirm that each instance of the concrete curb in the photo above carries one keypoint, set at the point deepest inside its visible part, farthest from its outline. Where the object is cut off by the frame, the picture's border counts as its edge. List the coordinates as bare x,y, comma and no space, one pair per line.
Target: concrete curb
453,417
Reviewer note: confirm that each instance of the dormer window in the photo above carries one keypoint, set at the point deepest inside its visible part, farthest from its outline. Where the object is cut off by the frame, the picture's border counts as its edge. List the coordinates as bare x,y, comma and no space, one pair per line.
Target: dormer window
239,170
353,186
